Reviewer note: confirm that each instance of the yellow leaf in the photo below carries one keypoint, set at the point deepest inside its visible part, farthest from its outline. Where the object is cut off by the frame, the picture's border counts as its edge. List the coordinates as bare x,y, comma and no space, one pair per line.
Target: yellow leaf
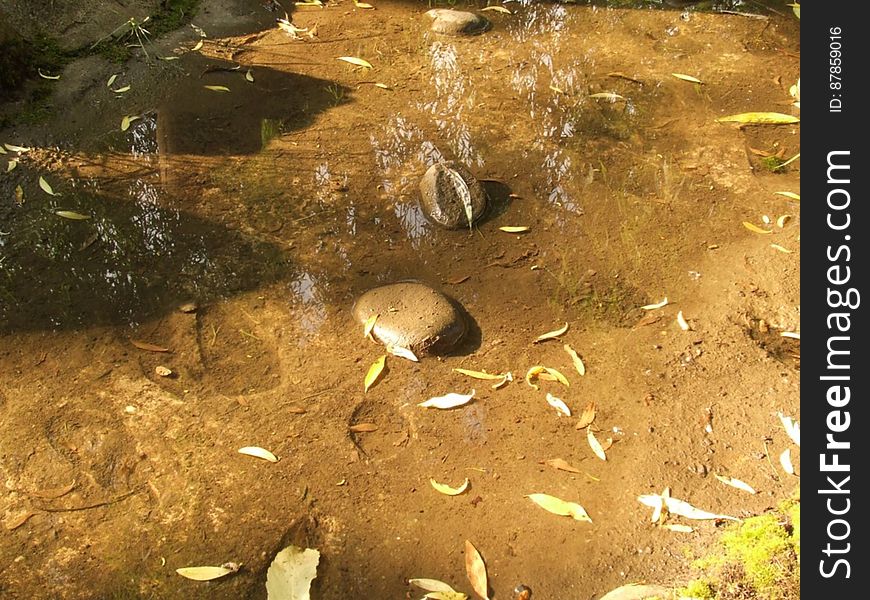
517,229
537,372
681,321
765,118
121,90
19,195
369,325
362,4
204,573
562,465
578,363
258,452
595,444
447,490
558,506
781,221
310,3
44,76
558,404
611,96
356,61
557,90
447,401
438,590
2,150
46,187
111,80
551,334
125,122
479,374
656,305
688,78
736,483
217,88
197,46
14,148
504,380
755,228
11,165
68,214
249,76
587,416
780,248
475,569
500,9
374,372
383,86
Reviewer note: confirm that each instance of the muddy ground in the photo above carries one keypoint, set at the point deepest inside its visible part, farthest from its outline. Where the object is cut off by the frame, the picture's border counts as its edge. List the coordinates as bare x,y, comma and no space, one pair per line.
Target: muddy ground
276,204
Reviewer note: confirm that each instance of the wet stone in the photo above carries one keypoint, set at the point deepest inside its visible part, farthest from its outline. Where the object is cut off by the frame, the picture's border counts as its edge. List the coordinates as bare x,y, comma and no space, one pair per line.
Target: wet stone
412,315
442,199
456,22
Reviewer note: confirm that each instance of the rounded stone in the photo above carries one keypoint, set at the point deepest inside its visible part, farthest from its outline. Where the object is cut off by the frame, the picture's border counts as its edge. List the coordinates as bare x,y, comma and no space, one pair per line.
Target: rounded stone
456,22
441,198
412,315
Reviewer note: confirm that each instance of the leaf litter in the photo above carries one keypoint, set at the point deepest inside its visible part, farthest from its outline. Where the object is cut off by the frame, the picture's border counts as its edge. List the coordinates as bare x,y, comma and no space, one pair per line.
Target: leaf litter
792,428
448,490
562,465
587,416
437,590
575,359
681,507
550,335
448,401
545,373
374,372
560,507
596,446
559,405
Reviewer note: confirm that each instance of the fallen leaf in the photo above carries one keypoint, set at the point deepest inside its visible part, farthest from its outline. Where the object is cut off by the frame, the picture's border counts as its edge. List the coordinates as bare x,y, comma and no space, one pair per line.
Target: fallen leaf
791,334
44,76
12,523
558,404
678,527
785,461
258,452
681,508
792,428
356,61
19,195
681,321
46,187
451,400
162,371
688,78
68,214
475,569
374,372
500,9
168,58
578,363
479,374
111,80
587,416
558,463
383,86
515,229
217,88
781,221
11,165
447,490
363,428
736,483
16,148
780,248
362,4
121,90
611,96
197,46
205,573
126,120
551,334
764,118
790,195
656,305
503,381
557,506
595,444
290,575
402,352
755,228
541,372
249,76
659,513
438,590
149,347
369,325
458,280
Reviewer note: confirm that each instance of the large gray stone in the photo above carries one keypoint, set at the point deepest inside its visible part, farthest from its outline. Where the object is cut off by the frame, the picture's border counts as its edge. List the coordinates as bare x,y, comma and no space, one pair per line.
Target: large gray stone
412,315
456,22
441,196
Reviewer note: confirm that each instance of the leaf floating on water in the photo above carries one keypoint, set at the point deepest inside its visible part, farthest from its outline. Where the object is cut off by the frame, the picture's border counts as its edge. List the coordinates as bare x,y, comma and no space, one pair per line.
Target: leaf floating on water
401,352
539,372
656,305
558,404
479,374
148,347
363,428
258,452
611,96
197,46
736,483
447,490
688,78
290,575
780,248
475,569
515,229
587,416
356,61
575,359
206,573
451,400
46,187
369,325
111,80
558,463
790,195
249,76
217,88
763,118
500,9
678,528
785,461
595,444
126,120
557,506
121,90
792,428
755,228
551,334
374,372
74,216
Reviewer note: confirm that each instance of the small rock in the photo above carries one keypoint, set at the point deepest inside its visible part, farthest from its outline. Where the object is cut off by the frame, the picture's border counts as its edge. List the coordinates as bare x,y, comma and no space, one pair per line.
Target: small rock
442,202
188,307
456,22
163,371
412,315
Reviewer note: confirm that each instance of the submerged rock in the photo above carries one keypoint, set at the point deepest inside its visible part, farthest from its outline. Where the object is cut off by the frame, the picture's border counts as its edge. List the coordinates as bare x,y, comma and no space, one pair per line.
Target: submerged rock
456,22
412,315
442,192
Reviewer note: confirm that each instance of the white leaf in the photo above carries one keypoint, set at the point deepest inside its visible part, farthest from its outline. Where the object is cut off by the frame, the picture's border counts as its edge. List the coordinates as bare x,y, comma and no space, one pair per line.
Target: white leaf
681,321
785,461
558,404
736,483
205,573
792,428
402,352
451,400
656,305
447,490
258,452
431,585
595,444
680,507
290,574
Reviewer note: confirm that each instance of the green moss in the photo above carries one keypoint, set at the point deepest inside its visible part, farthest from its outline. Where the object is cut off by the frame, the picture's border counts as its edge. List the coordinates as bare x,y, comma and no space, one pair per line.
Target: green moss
699,589
771,163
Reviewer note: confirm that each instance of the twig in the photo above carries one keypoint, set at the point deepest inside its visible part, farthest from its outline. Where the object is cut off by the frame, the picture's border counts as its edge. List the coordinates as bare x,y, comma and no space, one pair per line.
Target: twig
114,500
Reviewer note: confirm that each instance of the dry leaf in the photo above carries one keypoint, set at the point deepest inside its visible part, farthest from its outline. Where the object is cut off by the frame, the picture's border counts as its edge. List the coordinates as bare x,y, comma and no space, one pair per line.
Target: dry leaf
681,507
68,214
363,428
587,416
121,90
475,569
111,80
558,506
451,400
19,195
458,280
781,221
790,195
290,575
11,165
780,248
197,46
792,428
551,334
402,352
46,187
791,334
611,96
755,228
656,305
736,483
374,372
44,76
149,347
595,444
500,9
126,120
362,4
217,88
541,372
249,76
785,461
765,118
16,148
503,381
369,325
557,90
447,490
515,229
688,78
258,452
681,321
12,523
558,463
479,374
383,86
578,363
678,527
206,573
559,405
356,61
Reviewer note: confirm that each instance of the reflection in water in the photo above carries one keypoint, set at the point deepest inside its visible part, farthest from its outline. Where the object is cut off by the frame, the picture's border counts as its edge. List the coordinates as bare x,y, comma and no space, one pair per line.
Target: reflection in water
312,313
